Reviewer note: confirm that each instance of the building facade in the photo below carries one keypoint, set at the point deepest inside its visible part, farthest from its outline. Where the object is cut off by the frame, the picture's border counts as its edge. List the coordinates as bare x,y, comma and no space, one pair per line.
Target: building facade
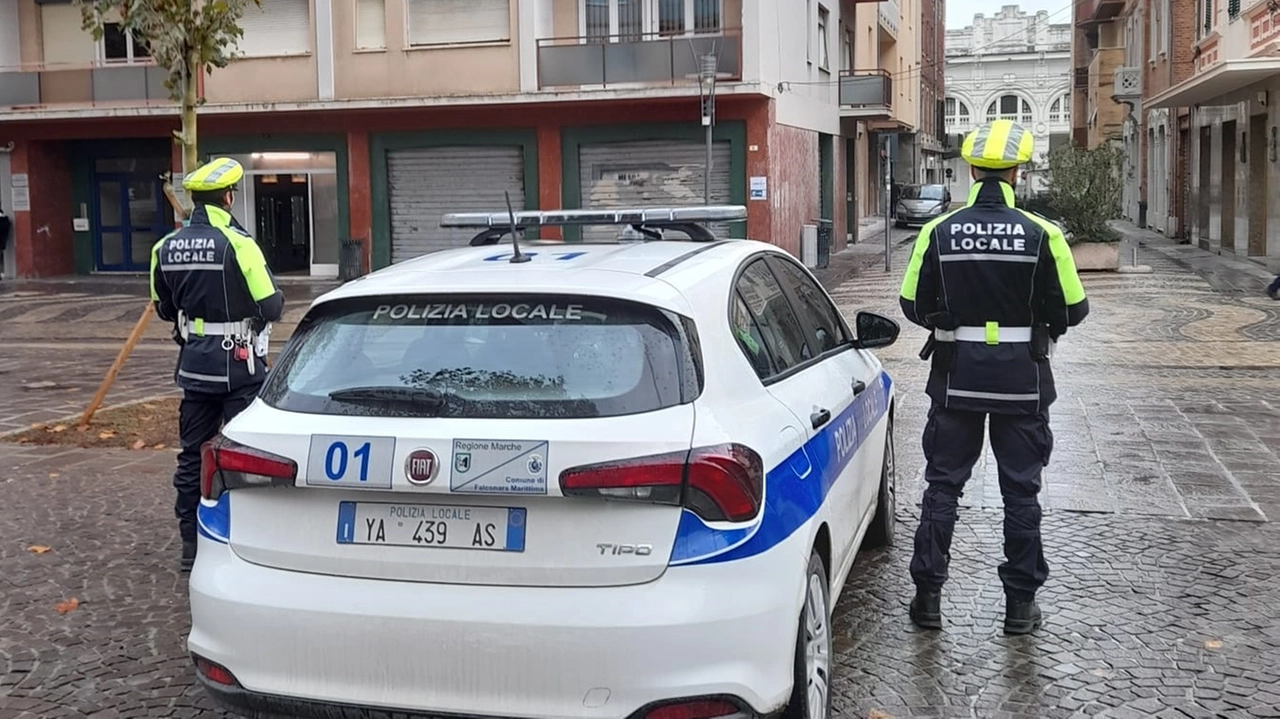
1229,100
369,119
1097,52
1013,65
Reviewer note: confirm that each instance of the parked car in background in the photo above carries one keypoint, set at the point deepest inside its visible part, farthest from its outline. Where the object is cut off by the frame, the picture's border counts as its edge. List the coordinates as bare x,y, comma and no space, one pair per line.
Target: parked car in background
918,204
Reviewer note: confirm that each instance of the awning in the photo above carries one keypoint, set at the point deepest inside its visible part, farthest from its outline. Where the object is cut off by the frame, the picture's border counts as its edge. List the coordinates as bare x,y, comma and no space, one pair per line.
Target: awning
1219,84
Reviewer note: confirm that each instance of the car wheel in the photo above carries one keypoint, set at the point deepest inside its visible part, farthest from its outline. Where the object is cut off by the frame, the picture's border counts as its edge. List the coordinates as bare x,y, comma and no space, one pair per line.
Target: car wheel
880,533
811,693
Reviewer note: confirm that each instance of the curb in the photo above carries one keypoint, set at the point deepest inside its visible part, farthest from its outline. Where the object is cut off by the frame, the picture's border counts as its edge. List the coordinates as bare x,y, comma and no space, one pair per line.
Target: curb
75,418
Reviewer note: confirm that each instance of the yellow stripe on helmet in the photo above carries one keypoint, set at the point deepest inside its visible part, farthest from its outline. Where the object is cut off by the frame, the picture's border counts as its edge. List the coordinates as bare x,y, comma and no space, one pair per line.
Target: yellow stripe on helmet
221,173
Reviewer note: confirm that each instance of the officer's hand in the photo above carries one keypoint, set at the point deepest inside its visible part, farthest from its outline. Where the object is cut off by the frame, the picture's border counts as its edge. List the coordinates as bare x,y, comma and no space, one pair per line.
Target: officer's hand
257,324
177,337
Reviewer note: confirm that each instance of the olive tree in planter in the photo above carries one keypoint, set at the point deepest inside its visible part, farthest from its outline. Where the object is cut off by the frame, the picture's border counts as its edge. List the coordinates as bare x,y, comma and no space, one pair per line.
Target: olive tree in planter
1085,192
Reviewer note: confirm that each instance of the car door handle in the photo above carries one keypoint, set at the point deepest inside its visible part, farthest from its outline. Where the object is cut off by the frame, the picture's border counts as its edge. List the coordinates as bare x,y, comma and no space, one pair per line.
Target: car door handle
859,387
820,417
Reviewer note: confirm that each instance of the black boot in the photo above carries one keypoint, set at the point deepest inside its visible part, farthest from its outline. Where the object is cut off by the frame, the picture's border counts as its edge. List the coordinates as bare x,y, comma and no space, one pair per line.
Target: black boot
926,609
1021,616
188,554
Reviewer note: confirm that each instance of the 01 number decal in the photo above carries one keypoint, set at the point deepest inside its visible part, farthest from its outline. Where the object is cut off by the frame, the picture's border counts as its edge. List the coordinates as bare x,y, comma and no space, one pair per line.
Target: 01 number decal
337,458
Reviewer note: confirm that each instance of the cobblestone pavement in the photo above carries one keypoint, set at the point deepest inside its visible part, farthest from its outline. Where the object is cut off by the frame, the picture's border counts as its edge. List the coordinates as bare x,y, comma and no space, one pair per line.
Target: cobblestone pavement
1163,555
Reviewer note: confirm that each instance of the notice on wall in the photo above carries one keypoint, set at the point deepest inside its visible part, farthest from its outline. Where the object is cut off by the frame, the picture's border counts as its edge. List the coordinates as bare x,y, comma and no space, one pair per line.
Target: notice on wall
21,198
19,180
759,188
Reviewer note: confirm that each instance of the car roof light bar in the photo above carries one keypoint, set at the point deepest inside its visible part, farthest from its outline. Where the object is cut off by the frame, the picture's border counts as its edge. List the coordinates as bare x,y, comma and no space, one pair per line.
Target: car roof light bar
653,216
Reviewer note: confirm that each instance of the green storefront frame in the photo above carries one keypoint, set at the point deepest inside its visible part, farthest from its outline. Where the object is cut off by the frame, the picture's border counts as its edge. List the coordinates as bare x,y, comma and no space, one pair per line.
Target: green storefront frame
244,144
82,156
572,138
380,191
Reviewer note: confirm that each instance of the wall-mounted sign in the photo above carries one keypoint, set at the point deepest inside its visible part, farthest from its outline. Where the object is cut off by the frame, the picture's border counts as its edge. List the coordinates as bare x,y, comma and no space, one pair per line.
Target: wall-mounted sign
759,188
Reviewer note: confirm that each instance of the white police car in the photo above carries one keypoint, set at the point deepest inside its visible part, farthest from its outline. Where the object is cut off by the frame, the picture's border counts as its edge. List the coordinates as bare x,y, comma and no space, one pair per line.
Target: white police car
613,480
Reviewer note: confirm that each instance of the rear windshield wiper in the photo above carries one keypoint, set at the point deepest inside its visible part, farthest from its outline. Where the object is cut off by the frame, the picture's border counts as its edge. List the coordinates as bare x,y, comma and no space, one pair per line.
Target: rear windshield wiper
409,395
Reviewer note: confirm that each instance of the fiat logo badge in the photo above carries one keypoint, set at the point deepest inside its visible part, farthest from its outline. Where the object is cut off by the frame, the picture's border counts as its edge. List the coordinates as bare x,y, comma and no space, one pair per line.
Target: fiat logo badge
421,466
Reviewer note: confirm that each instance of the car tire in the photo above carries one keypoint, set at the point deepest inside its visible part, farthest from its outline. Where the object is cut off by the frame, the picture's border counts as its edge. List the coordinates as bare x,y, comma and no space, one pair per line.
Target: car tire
880,533
811,691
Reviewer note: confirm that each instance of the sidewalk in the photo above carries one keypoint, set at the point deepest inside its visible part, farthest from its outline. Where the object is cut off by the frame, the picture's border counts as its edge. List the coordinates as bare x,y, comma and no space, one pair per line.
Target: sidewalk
1225,273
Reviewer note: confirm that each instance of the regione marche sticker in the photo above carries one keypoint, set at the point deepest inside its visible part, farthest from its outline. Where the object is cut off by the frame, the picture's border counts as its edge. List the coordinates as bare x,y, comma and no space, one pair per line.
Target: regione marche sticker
499,466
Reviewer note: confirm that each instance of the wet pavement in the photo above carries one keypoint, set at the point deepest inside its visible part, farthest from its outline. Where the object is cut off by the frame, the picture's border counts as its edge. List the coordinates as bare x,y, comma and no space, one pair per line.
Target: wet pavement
1159,526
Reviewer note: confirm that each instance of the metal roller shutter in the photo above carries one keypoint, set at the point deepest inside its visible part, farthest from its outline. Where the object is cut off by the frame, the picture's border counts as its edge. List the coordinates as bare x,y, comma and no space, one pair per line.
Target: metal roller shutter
427,182
650,173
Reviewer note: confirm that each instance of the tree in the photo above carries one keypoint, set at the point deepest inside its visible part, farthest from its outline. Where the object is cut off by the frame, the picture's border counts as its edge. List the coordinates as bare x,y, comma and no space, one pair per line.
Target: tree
1085,191
186,37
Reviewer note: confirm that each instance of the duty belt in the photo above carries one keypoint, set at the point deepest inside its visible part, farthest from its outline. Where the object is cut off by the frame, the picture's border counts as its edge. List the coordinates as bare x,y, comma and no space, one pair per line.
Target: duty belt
236,336
991,334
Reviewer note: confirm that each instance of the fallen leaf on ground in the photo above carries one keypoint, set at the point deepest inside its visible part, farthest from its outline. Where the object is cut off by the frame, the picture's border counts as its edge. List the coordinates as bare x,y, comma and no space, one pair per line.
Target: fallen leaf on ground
59,428
66,607
54,475
1213,644
39,549
877,714
145,419
139,444
82,428
37,425
106,435
159,446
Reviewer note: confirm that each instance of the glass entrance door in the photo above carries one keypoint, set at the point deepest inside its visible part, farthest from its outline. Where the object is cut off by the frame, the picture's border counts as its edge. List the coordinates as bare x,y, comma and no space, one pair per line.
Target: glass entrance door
132,215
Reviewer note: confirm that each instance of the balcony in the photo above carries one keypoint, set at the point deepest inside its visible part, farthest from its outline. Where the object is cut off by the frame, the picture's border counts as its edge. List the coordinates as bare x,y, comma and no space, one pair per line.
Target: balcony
1089,12
636,59
1128,86
889,14
866,94
118,84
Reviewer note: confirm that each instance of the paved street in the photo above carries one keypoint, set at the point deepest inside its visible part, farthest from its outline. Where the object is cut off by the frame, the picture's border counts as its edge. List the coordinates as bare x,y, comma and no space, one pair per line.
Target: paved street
1161,525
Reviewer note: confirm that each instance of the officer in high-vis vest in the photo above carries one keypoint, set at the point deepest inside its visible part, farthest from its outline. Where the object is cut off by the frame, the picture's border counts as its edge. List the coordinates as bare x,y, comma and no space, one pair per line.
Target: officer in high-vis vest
211,281
996,286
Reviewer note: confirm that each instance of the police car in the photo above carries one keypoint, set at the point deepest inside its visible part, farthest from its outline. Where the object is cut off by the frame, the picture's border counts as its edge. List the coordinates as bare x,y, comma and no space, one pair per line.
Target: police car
548,479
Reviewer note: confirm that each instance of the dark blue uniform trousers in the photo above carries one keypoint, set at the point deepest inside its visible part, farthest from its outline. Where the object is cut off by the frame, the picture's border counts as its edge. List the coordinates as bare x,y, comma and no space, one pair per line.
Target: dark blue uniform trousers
200,417
953,442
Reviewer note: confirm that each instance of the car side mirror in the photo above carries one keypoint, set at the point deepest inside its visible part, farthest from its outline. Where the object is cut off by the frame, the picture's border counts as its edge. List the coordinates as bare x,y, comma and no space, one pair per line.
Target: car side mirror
874,330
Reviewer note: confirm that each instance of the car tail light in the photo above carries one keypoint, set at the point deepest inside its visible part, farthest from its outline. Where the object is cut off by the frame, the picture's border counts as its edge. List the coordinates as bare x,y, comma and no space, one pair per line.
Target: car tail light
226,464
718,483
695,709
216,673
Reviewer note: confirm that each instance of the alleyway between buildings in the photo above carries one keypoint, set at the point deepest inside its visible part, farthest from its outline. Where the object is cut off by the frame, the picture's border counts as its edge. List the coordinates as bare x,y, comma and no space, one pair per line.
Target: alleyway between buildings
1162,519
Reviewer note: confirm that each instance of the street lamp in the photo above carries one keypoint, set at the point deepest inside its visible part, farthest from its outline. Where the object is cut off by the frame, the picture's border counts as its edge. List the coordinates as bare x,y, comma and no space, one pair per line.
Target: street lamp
707,92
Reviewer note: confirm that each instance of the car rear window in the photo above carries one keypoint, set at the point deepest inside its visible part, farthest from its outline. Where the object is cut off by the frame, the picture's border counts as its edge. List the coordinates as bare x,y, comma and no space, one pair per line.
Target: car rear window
486,357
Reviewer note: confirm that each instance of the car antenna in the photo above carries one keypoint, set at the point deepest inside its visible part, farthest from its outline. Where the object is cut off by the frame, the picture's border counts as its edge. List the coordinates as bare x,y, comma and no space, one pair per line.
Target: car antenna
516,255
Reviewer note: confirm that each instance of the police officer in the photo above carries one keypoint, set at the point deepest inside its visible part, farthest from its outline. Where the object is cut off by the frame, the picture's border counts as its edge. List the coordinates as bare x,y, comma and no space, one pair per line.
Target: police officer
996,286
211,281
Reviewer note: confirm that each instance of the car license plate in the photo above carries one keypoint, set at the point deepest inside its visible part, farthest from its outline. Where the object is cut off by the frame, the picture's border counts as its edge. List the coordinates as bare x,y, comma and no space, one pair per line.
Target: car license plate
499,529
351,462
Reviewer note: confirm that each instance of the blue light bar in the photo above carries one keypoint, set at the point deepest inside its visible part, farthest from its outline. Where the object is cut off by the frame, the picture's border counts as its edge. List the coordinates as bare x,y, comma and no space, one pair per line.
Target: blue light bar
622,216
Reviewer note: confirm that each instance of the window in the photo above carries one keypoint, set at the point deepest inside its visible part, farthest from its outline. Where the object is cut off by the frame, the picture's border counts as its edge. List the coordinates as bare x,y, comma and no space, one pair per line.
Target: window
824,58
746,330
846,51
635,19
1060,111
1009,107
371,24
956,113
1233,9
118,45
458,22
278,27
783,336
508,356
808,31
825,327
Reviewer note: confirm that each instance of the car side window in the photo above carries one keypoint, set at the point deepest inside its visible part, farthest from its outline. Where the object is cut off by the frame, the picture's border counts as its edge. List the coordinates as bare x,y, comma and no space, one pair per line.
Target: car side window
784,337
824,325
746,330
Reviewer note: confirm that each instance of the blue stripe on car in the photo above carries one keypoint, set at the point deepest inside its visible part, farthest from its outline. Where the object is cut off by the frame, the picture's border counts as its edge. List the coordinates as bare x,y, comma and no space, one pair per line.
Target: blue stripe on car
214,520
792,493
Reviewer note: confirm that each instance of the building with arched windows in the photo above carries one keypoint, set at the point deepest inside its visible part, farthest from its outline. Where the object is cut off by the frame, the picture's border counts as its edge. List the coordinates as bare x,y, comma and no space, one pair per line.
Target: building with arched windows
1012,65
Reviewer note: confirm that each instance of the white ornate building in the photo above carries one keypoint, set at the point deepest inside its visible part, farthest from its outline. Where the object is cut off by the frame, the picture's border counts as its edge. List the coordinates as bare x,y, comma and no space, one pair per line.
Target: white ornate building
1014,65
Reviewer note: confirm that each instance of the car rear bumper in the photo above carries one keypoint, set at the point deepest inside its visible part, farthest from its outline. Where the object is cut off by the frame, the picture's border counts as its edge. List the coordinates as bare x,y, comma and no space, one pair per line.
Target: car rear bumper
312,644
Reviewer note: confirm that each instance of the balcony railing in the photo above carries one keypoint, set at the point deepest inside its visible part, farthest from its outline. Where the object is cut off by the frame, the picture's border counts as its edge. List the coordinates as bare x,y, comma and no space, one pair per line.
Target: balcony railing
1128,84
890,15
104,84
638,58
866,94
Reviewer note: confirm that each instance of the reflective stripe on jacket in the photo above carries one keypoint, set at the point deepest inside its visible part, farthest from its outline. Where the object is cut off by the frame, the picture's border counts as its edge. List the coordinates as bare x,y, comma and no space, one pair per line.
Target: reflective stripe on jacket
213,272
990,266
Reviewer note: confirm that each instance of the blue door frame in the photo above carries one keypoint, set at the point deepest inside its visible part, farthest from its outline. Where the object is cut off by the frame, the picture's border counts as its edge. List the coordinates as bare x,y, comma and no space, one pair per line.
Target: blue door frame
125,228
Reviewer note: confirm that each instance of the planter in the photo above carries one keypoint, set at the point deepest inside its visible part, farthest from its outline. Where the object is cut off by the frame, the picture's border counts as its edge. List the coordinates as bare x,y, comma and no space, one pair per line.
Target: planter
1096,256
